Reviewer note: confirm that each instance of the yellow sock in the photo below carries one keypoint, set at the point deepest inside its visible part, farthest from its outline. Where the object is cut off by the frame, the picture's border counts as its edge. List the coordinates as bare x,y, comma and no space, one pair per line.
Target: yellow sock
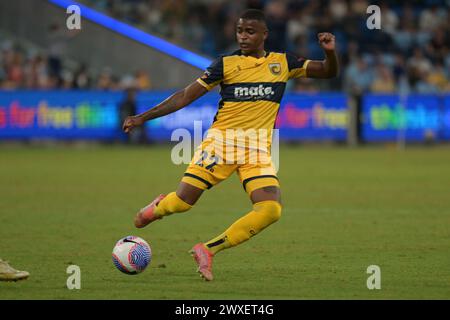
264,214
171,204
218,243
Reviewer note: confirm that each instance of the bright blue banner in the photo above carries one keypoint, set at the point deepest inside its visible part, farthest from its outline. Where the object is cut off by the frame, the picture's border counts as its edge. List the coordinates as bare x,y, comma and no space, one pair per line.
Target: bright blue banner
59,114
313,117
95,115
385,117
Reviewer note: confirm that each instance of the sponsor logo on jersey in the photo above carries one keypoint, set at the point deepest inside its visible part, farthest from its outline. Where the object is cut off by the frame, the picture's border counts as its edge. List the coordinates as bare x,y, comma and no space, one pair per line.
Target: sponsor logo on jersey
253,92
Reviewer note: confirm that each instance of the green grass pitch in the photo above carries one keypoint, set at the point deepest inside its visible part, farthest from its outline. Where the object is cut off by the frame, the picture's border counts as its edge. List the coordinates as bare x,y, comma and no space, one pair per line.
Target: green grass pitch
344,210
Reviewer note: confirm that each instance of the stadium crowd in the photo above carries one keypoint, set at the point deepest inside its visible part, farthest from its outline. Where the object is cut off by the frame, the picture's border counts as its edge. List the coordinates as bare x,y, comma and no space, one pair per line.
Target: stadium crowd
411,51
28,67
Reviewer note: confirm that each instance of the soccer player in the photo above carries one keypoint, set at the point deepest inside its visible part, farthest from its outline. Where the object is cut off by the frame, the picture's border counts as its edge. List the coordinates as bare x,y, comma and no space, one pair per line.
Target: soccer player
252,83
8,273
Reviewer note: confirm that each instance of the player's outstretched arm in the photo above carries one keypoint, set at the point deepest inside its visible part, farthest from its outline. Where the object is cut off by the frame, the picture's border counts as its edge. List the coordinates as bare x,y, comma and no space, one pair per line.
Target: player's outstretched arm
175,102
329,67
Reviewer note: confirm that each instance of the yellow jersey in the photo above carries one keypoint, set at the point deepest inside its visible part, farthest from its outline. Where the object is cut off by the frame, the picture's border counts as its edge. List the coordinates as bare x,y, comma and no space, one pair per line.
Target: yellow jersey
251,90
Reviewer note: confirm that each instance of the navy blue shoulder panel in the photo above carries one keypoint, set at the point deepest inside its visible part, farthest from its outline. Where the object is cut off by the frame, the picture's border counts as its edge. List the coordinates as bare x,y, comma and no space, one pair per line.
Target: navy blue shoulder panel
294,62
214,72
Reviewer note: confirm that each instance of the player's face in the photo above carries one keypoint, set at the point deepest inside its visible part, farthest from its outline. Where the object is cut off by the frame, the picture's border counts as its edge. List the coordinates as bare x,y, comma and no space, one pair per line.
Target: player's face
250,35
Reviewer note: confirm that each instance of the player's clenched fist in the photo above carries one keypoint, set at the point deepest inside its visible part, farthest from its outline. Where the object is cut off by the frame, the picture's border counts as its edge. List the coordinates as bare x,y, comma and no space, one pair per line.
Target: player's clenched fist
131,122
327,40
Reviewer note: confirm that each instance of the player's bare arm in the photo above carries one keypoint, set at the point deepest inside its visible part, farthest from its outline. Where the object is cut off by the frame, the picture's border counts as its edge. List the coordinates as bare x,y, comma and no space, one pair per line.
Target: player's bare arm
175,102
329,67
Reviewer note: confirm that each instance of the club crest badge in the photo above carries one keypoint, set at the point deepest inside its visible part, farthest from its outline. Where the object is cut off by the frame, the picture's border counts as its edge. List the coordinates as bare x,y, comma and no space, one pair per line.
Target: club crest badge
275,68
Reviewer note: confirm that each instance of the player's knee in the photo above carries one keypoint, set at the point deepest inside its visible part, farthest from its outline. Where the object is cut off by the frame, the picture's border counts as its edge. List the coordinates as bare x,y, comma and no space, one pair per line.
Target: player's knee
271,209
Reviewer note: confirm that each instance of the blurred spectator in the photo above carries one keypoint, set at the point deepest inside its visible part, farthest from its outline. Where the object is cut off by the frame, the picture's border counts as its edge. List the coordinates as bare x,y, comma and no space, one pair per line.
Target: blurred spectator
338,9
358,77
128,81
399,67
389,19
56,49
105,79
418,67
438,78
359,7
14,69
128,108
277,24
384,81
423,86
431,18
81,79
58,36
404,38
67,79
296,26
36,72
142,80
438,45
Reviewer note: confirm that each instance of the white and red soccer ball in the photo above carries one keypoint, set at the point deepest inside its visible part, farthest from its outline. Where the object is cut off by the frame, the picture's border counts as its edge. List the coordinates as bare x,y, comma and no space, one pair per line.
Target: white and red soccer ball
131,255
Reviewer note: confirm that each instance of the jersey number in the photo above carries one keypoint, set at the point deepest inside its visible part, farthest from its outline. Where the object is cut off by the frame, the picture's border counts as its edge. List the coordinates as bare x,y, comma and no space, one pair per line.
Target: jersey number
212,161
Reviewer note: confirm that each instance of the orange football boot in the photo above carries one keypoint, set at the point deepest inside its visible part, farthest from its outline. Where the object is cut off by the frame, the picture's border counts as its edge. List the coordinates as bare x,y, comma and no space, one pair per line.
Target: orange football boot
147,214
204,260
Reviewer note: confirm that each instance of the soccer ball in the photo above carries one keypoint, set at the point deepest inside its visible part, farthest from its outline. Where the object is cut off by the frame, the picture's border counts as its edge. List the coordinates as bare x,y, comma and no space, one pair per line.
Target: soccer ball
131,255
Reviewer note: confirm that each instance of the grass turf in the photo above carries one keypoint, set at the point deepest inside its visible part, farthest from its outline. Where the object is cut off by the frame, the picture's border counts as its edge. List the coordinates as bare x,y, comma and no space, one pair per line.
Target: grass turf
344,209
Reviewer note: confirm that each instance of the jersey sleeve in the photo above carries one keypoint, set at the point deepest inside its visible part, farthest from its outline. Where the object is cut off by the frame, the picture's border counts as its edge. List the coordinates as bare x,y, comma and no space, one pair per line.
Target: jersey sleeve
213,75
296,66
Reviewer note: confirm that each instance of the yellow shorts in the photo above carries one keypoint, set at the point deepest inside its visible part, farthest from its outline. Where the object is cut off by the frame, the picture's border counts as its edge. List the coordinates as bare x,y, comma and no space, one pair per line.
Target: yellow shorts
206,170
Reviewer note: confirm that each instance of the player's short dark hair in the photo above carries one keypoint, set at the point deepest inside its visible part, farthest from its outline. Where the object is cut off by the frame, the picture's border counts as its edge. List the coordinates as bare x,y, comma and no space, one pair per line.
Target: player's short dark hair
253,14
